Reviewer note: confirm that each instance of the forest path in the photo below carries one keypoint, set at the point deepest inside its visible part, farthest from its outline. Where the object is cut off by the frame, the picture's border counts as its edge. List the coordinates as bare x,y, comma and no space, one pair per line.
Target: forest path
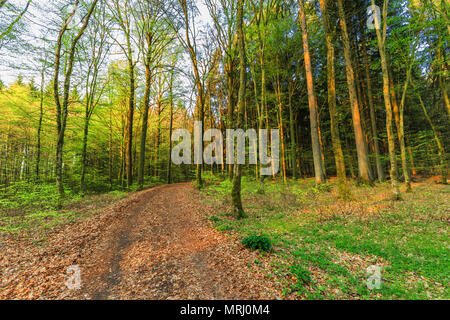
161,247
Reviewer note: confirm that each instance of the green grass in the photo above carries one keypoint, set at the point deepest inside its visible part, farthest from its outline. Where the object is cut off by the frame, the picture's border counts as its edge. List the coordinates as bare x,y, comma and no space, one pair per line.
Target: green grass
331,243
27,208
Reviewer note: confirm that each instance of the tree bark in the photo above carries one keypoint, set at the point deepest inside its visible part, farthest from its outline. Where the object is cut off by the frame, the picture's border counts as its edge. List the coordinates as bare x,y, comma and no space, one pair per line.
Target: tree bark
363,159
169,166
313,112
344,191
292,133
41,116
387,101
236,187
373,119
148,83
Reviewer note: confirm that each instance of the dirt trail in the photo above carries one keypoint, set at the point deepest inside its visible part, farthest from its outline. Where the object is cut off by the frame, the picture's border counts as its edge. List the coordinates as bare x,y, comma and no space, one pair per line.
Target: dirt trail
158,245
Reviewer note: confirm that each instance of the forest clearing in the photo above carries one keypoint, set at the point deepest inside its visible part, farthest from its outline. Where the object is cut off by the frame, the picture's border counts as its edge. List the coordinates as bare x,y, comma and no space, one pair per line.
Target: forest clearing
224,149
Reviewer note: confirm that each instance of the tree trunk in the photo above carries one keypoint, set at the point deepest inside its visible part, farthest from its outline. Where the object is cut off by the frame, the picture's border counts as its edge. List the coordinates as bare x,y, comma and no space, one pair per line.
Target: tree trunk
130,123
84,149
236,187
62,109
373,119
41,116
344,191
169,166
363,159
387,101
148,83
292,133
280,110
401,132
198,83
317,154
440,146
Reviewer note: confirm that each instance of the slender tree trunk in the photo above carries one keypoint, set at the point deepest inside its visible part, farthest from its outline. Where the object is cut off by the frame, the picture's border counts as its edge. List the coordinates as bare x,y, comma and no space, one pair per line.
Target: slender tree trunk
131,72
236,187
387,101
258,109
363,159
62,109
373,119
110,159
344,190
280,110
41,116
148,83
292,133
84,149
230,123
440,146
198,83
401,132
313,112
169,165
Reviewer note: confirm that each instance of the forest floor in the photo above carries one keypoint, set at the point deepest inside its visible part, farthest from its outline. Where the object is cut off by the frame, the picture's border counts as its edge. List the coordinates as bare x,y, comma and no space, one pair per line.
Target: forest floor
327,248
155,244
176,242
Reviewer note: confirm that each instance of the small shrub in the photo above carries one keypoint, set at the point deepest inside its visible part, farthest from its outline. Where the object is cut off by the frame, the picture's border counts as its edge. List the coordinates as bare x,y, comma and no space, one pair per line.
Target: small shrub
224,227
214,219
325,187
303,276
258,242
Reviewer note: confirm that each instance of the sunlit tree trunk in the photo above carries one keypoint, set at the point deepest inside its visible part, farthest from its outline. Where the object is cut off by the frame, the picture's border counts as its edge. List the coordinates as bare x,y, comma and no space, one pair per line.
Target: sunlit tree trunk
373,119
363,159
337,148
313,112
387,101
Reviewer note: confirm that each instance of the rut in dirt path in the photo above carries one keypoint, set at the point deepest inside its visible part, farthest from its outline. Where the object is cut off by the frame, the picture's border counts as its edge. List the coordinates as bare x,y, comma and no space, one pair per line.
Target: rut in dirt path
163,248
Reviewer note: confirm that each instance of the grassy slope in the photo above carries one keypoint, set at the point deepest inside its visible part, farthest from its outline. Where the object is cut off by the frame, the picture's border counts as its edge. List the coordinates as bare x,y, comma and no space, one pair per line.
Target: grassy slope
323,246
32,210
